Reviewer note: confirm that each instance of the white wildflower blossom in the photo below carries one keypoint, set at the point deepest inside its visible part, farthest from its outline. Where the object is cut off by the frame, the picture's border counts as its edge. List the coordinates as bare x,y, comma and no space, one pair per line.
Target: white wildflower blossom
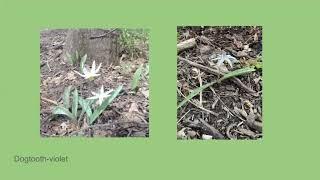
101,95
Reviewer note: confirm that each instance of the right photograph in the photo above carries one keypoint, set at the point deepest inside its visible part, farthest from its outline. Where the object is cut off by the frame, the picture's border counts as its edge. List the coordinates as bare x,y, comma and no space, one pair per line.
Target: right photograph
219,83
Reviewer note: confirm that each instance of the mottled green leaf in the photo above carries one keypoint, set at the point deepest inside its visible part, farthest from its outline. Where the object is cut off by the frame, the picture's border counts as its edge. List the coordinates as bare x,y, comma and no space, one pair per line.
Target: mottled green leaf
66,97
85,104
75,103
59,110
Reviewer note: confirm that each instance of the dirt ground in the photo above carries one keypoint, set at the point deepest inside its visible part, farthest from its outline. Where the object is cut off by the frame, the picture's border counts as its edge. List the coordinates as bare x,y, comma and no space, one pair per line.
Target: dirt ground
231,109
126,116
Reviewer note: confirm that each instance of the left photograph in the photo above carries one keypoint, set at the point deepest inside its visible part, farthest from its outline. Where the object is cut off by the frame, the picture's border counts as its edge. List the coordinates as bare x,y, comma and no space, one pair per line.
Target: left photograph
94,82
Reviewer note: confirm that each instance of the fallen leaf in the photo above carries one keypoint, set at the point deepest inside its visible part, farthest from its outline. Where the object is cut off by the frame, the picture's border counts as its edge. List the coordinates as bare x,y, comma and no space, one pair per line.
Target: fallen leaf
46,81
242,53
70,76
133,108
64,126
56,80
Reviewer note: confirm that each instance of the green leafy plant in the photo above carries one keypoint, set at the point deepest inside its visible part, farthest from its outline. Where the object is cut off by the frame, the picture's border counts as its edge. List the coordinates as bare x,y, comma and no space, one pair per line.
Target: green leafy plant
64,109
129,37
86,105
136,78
93,114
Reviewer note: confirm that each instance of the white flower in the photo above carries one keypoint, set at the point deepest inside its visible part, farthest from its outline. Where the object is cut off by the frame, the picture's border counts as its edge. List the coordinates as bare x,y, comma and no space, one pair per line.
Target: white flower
92,73
100,95
221,58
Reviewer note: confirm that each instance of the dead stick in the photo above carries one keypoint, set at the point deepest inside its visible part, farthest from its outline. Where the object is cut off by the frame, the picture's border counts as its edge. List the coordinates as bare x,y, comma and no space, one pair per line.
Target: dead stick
50,101
214,132
187,44
103,35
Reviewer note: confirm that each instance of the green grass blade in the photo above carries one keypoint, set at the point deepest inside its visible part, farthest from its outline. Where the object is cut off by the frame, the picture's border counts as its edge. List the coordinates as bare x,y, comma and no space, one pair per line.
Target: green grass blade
59,110
104,105
237,73
195,92
66,97
136,78
226,76
75,103
83,61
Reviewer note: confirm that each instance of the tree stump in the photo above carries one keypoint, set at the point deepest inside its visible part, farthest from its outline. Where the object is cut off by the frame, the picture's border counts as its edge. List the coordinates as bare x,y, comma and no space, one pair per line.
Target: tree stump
100,45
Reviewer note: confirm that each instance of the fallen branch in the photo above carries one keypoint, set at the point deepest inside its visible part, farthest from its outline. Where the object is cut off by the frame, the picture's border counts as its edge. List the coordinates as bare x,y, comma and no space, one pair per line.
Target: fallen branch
103,35
214,132
49,100
187,44
252,123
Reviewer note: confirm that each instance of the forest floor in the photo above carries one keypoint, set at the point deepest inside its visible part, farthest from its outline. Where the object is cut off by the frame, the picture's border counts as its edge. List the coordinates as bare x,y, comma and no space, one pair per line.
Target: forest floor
231,109
126,116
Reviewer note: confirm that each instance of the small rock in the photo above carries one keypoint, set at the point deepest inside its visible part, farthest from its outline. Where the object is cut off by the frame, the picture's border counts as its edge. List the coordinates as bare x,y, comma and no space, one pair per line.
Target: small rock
206,137
191,134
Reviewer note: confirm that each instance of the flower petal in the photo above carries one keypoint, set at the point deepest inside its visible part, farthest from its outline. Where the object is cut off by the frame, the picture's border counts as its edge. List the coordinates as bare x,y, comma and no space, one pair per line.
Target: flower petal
101,90
108,92
85,71
93,66
93,97
97,70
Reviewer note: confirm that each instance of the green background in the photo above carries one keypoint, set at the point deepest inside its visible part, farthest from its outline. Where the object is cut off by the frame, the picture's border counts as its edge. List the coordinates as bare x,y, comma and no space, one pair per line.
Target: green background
289,149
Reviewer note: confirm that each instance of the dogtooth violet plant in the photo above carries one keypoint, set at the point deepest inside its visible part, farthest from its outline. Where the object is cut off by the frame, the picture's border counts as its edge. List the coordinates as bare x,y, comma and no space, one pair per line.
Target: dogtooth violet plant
91,112
64,109
88,74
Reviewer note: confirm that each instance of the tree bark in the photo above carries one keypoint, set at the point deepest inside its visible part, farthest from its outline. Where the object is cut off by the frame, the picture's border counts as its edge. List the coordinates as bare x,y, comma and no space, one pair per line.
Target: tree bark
100,45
